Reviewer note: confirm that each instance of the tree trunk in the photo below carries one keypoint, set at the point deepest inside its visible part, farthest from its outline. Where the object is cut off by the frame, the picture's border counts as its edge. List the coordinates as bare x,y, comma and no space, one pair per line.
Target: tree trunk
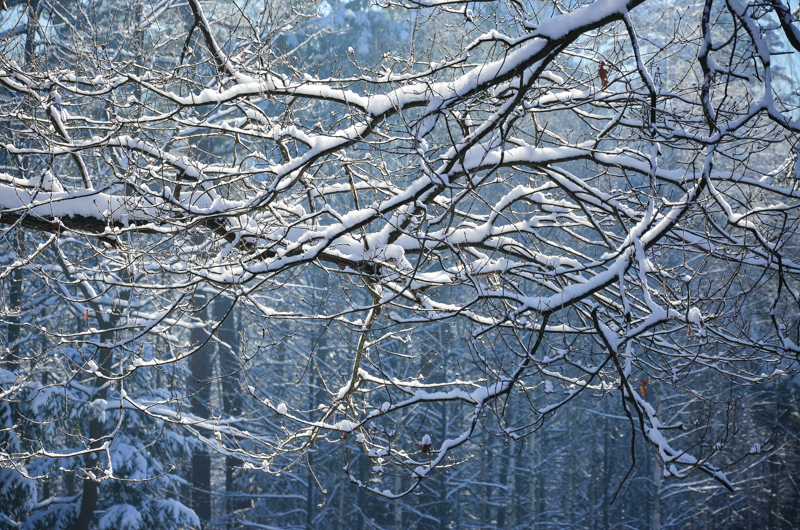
232,402
309,498
15,287
342,486
773,468
8,413
441,505
200,388
532,473
484,507
606,473
14,329
361,497
657,477
96,427
511,484
313,391
593,459
398,479
569,487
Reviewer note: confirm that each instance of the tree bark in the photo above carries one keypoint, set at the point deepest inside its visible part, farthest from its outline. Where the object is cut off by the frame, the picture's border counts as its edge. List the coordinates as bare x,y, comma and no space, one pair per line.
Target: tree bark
229,351
484,507
569,458
96,428
398,479
441,505
342,486
511,483
657,478
14,328
606,472
200,387
313,390
532,473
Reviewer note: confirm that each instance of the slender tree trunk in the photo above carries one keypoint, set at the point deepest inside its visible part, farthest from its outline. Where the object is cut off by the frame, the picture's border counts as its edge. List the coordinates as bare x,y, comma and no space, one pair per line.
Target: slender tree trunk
500,518
484,489
772,467
96,427
657,477
533,471
569,487
398,479
748,514
200,367
361,497
8,413
606,473
15,287
9,442
309,498
342,486
313,390
441,505
232,403
14,328
534,450
511,484
30,37
794,501
542,480
593,459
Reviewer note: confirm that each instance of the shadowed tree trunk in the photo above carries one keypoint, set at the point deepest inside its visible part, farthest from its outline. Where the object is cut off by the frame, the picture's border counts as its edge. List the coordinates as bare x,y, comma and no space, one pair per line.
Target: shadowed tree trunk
11,356
772,481
592,474
541,482
442,489
15,283
398,479
340,508
532,472
606,472
657,478
105,360
229,350
361,496
569,475
484,489
511,482
313,393
14,329
200,368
